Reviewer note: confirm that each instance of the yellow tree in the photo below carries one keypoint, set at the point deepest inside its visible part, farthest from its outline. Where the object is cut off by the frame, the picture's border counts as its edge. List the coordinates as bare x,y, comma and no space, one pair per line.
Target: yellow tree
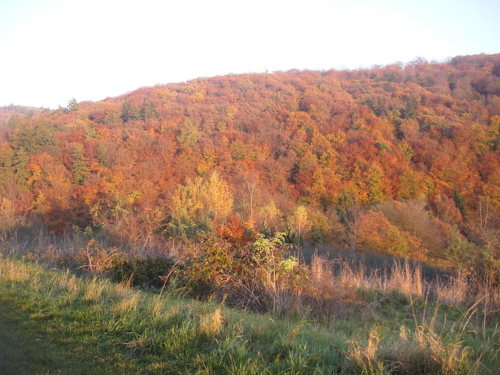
202,199
300,221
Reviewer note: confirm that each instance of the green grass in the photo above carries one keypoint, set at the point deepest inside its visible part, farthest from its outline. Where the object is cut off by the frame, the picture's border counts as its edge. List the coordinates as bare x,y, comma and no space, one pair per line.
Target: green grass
52,322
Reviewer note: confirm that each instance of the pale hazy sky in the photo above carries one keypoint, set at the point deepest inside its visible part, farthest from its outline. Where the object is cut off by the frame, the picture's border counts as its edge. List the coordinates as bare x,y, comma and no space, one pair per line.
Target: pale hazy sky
54,50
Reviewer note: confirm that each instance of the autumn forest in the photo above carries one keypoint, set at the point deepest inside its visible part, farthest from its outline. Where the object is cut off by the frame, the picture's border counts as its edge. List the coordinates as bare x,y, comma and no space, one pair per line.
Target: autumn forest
343,204
400,159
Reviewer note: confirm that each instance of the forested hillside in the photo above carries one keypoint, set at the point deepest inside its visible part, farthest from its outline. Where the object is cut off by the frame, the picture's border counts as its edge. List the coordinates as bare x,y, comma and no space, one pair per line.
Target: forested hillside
401,159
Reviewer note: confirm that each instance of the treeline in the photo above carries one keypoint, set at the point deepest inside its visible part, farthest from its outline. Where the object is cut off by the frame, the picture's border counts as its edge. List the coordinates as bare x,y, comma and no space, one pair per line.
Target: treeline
401,159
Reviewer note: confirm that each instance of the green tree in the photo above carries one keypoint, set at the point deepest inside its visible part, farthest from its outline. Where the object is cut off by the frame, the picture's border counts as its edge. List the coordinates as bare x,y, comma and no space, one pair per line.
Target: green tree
410,109
148,110
20,166
32,139
375,182
348,209
130,112
299,222
72,106
189,134
80,167
6,168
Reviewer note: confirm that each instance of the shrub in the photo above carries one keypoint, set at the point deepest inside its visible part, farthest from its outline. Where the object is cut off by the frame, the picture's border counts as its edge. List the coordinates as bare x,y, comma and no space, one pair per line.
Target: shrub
142,272
481,265
258,274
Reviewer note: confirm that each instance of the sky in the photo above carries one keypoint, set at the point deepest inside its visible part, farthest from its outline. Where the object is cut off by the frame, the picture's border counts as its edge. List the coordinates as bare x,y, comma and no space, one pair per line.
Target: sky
54,50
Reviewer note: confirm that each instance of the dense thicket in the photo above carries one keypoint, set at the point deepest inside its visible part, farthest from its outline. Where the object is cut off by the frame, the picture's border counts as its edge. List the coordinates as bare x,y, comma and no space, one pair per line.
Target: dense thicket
400,159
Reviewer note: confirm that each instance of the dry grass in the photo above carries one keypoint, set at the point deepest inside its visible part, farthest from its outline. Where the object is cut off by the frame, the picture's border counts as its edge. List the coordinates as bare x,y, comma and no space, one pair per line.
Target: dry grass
211,324
157,307
329,287
94,291
14,273
72,284
92,254
326,295
423,350
401,277
364,359
455,292
407,280
129,302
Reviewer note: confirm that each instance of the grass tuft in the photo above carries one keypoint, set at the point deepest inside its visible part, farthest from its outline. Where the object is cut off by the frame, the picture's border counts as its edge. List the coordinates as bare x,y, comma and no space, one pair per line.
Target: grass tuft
211,324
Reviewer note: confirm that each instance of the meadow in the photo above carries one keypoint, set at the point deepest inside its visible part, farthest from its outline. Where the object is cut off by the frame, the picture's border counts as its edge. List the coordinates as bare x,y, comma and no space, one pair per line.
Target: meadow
57,322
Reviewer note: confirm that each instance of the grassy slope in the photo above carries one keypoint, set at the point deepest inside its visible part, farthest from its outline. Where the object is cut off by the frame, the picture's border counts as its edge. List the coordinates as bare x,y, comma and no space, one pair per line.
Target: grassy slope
85,326
53,322
28,347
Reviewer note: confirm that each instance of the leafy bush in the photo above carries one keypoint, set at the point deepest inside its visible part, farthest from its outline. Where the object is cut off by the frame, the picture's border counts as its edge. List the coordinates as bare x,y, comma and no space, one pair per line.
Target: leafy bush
259,274
481,265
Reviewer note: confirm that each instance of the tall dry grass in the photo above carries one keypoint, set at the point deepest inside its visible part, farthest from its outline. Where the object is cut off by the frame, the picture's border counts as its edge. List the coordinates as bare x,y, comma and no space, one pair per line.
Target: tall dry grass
400,277
327,287
38,240
430,346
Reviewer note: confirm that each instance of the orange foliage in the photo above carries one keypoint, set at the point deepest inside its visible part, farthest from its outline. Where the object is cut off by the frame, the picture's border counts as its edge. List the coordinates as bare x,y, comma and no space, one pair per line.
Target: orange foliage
377,233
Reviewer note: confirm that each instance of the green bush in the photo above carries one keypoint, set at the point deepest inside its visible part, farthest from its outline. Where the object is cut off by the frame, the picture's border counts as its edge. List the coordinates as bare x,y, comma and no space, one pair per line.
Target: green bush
253,275
481,265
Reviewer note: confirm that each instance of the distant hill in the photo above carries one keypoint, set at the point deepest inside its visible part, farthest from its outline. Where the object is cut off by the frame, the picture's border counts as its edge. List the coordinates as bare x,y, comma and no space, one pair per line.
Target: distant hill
397,158
12,110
